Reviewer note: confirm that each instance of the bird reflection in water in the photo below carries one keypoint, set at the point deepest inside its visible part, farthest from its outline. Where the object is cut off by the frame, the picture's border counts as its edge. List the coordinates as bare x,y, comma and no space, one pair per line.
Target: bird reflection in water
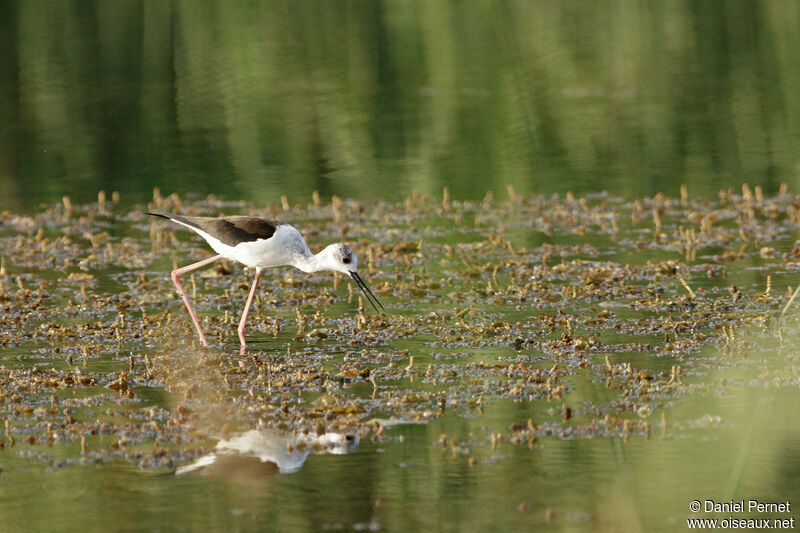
263,452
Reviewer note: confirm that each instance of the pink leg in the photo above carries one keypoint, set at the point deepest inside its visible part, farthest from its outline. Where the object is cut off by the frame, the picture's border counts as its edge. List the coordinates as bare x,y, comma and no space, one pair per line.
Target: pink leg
243,321
176,274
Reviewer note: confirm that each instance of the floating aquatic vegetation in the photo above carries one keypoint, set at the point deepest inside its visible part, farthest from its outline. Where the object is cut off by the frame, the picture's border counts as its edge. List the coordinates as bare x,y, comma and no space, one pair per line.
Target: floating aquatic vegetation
488,303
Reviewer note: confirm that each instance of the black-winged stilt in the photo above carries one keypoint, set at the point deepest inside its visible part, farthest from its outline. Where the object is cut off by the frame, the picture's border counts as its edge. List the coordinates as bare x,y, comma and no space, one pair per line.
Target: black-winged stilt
261,243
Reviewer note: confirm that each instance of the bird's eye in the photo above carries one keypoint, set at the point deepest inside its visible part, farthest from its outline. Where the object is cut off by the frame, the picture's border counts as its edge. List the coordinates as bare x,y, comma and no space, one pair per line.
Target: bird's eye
346,260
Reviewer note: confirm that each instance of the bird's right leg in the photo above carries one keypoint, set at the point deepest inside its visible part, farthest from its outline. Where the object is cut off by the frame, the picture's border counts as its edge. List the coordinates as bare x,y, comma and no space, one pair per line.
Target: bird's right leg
176,274
243,321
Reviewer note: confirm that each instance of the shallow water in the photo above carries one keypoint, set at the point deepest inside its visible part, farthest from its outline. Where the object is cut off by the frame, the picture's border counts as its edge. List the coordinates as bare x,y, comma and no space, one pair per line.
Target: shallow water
405,483
511,385
575,362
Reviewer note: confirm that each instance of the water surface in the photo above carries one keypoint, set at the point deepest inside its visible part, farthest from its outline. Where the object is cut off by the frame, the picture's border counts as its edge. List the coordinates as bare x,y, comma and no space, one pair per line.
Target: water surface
515,382
372,100
588,355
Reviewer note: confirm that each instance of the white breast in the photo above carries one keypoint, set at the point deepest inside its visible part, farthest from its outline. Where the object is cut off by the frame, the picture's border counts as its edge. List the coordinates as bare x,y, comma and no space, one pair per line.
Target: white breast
284,248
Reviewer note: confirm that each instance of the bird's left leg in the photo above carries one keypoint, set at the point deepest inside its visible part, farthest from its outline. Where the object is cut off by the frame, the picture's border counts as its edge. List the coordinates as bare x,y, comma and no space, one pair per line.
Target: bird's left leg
247,305
176,274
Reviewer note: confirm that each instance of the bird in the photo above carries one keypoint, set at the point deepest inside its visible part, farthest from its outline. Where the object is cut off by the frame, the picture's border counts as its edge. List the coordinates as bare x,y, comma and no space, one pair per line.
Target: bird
261,243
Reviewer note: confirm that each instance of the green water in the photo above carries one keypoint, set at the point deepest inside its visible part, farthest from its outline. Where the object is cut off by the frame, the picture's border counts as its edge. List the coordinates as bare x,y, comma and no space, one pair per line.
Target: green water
591,485
599,484
372,101
457,452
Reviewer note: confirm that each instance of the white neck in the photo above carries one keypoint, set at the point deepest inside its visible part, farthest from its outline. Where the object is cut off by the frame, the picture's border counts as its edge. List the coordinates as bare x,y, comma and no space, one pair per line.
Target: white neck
313,262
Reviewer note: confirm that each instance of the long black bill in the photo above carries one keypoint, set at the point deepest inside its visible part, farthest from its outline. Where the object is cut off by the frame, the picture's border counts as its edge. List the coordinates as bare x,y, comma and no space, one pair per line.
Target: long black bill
367,293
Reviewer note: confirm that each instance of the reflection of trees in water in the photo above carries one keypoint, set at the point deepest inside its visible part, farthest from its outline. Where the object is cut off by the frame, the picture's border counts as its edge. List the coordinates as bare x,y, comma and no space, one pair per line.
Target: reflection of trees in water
362,101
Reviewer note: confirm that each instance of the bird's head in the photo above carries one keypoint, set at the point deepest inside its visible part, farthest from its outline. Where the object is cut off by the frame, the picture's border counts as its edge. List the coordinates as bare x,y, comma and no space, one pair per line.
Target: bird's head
340,258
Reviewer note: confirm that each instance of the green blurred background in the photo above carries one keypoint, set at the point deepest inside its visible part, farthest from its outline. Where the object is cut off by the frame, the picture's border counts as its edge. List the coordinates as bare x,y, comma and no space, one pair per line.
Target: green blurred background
372,99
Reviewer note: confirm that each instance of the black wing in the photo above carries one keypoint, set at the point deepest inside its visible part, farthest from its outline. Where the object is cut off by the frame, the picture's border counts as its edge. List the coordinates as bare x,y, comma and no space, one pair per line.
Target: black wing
228,230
